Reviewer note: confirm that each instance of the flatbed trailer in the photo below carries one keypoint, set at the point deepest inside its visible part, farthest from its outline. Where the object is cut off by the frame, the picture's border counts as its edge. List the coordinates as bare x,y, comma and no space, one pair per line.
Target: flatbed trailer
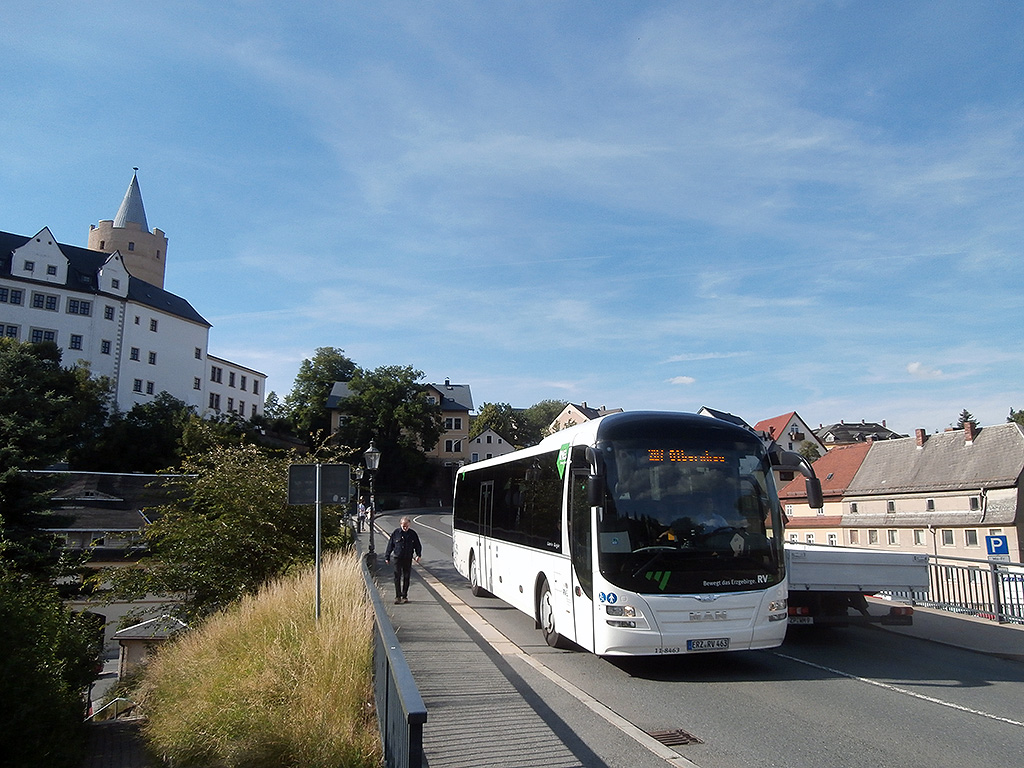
829,586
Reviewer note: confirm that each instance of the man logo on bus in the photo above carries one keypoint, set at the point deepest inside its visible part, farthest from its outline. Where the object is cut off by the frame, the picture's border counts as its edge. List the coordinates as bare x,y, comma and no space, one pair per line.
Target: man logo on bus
608,597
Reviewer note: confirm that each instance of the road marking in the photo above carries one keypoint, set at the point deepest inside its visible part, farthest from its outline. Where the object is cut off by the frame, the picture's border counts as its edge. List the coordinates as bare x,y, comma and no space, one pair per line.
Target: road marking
506,647
904,691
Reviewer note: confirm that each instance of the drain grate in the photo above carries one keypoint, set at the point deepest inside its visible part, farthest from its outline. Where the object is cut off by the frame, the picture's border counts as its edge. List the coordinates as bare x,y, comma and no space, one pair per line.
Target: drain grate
676,738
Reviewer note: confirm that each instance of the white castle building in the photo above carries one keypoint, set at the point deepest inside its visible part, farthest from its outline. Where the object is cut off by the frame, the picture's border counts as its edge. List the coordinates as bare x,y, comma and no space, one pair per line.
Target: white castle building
106,307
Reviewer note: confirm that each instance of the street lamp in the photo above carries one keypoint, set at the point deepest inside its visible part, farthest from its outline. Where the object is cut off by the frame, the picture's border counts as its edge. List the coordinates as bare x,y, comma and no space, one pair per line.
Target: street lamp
372,457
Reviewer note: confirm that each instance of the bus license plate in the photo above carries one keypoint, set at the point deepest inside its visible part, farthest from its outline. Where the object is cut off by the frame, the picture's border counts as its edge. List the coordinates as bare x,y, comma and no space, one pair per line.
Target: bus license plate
709,644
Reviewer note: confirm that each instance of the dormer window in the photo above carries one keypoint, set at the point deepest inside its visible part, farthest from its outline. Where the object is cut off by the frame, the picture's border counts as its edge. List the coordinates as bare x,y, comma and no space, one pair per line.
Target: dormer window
51,269
30,266
131,246
115,283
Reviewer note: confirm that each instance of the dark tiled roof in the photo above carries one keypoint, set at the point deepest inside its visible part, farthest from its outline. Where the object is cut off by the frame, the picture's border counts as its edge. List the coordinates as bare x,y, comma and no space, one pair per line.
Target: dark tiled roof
945,462
865,431
84,265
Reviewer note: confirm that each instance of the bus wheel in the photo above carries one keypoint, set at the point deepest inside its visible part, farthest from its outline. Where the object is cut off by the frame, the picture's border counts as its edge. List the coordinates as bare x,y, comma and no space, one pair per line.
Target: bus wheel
546,613
474,578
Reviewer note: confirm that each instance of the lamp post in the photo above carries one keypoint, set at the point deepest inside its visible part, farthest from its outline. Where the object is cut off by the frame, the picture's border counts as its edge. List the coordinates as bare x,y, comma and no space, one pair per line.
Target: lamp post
372,457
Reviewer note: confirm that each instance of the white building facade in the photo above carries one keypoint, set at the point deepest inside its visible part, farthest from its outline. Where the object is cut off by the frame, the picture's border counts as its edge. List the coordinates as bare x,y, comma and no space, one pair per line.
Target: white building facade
144,339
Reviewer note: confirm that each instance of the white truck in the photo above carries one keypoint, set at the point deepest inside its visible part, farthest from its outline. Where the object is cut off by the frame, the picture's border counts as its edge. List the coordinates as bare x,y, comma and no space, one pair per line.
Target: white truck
826,583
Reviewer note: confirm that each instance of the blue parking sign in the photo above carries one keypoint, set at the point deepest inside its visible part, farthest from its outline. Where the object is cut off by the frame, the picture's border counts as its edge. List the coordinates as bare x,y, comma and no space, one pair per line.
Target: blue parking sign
997,545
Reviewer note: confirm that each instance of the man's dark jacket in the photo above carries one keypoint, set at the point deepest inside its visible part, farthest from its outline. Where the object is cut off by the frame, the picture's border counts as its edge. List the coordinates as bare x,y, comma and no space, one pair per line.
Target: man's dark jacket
404,545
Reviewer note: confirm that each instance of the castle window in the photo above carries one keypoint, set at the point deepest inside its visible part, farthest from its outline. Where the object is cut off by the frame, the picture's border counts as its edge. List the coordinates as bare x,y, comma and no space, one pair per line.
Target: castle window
152,324
115,283
51,269
104,347
30,266
76,341
197,383
137,385
199,354
131,246
79,307
133,354
39,335
108,312
149,387
45,301
9,331
152,358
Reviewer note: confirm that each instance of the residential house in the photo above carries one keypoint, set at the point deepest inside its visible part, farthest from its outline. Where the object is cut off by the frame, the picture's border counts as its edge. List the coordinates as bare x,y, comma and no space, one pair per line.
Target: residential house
846,434
487,445
792,433
574,414
942,494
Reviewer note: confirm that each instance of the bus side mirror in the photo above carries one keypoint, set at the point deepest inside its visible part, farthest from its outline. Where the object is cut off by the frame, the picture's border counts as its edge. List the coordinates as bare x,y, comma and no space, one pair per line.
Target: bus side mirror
815,498
595,490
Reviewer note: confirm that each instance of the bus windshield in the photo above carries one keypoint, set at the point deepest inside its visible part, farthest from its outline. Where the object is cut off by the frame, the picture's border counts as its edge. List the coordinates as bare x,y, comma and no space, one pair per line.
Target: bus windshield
688,515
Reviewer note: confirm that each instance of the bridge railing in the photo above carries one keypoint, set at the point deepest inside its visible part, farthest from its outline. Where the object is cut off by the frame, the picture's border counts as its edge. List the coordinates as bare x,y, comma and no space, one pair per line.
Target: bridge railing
988,589
401,712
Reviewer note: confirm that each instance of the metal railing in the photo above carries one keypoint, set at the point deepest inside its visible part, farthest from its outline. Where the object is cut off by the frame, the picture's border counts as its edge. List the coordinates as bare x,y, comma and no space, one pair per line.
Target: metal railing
401,712
983,588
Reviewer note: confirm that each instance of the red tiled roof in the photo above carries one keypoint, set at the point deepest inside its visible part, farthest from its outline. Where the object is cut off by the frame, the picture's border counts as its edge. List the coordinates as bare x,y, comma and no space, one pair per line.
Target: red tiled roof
835,470
774,427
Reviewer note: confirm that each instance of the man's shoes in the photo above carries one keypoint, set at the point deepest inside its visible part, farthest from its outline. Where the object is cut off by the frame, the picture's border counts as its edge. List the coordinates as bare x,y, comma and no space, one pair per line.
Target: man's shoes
405,600
398,601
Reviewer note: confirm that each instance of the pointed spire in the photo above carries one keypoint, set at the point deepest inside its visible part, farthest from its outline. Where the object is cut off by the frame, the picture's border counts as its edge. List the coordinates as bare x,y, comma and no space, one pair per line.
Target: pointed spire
131,207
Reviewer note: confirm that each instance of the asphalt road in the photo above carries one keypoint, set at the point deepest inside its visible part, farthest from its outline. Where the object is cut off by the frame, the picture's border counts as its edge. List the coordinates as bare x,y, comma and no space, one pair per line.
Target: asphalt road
829,699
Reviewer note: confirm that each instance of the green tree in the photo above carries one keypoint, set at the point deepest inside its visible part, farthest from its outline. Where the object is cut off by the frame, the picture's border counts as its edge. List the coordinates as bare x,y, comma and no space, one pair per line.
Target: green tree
810,451
45,412
230,532
1016,416
965,418
306,404
536,419
500,417
50,656
145,439
389,405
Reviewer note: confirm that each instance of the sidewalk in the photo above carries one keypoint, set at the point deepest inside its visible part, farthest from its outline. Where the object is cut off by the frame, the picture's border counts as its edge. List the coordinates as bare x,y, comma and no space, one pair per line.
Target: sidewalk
1005,641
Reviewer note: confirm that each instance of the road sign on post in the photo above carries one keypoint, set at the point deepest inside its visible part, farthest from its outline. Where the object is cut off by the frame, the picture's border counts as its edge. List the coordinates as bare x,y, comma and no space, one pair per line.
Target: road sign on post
318,484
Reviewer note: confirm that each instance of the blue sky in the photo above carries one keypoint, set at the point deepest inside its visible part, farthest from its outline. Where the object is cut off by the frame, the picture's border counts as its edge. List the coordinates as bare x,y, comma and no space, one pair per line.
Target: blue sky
760,207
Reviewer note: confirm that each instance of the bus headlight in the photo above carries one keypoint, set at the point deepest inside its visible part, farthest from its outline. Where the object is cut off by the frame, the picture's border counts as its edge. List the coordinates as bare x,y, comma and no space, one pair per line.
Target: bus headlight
778,605
620,610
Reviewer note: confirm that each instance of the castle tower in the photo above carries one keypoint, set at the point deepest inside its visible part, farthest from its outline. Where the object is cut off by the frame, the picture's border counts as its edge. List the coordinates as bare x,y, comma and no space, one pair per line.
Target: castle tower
144,252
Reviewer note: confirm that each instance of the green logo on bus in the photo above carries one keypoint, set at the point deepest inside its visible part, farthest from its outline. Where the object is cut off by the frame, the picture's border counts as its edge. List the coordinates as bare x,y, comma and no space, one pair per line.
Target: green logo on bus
659,577
563,459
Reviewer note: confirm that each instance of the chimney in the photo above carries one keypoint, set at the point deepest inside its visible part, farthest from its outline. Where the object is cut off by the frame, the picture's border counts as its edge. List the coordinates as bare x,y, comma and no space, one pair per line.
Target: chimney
970,432
922,435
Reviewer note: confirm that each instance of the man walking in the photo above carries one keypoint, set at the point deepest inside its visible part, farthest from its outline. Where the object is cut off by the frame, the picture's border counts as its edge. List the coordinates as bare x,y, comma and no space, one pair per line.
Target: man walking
404,545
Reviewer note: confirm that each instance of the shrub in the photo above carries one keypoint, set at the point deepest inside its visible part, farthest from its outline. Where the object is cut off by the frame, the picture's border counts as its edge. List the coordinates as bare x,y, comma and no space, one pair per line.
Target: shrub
262,685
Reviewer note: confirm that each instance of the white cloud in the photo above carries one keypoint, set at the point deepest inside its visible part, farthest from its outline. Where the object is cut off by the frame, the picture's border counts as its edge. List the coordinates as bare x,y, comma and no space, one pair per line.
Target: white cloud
920,371
682,380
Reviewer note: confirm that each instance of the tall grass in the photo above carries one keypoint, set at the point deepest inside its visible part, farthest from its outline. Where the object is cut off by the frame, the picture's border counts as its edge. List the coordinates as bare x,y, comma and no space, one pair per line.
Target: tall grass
261,685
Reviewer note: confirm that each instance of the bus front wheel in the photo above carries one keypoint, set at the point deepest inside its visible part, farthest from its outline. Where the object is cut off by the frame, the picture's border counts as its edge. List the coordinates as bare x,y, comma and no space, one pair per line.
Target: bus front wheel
546,614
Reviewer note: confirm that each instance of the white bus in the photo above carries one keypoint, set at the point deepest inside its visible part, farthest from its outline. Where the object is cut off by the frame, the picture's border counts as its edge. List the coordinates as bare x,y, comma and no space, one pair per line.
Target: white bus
633,534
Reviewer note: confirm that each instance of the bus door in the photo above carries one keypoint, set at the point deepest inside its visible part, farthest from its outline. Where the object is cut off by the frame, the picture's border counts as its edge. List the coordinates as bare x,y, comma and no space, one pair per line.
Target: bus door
485,546
581,549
